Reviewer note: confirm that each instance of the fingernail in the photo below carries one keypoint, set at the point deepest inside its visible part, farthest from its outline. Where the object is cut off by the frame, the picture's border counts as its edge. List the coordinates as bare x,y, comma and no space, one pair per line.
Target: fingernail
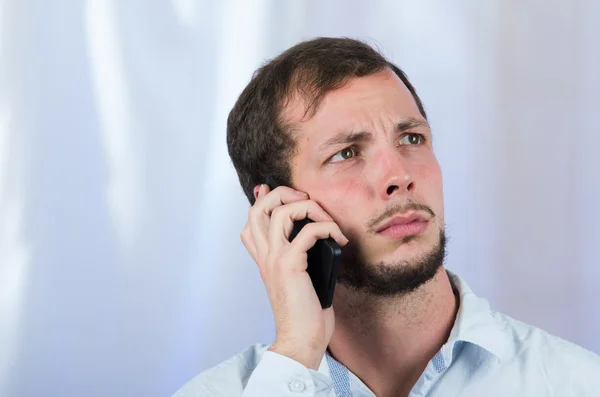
298,192
261,190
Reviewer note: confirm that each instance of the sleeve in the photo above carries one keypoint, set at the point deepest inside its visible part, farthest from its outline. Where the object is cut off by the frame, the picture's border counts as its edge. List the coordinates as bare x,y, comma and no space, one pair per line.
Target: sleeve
278,375
574,371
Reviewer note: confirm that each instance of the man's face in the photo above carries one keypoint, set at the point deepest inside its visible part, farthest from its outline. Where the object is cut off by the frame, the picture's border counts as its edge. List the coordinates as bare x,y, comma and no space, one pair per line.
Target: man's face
366,157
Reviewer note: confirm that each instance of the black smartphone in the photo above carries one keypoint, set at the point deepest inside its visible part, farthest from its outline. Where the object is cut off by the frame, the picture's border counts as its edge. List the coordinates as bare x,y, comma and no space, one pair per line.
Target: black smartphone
323,261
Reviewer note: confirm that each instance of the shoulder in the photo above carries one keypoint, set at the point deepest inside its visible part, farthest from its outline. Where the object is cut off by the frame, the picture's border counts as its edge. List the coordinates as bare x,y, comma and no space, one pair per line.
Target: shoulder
228,378
528,339
564,364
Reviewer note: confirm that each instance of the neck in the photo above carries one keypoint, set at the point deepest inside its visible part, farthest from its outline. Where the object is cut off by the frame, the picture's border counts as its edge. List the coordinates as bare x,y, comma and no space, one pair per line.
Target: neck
388,341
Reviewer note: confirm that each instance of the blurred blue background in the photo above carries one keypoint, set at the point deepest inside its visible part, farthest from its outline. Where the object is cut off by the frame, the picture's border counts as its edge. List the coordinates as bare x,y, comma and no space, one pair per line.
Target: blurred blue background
121,268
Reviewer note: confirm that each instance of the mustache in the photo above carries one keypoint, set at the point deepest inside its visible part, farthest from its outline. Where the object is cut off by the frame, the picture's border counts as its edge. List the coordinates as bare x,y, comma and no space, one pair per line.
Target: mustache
398,209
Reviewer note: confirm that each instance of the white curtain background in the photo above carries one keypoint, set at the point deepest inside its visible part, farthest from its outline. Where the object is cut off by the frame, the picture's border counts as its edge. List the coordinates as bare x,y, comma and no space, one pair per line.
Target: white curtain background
121,268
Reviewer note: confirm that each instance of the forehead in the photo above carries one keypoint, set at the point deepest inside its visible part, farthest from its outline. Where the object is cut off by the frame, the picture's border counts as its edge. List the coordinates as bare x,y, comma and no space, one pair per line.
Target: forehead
359,101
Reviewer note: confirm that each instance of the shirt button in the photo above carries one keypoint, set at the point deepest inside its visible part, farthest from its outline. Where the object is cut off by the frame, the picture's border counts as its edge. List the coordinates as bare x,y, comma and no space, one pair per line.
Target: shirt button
297,386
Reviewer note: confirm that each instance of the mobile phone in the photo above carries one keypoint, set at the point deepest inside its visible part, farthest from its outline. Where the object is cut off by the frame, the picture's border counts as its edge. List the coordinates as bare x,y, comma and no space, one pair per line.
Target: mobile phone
323,261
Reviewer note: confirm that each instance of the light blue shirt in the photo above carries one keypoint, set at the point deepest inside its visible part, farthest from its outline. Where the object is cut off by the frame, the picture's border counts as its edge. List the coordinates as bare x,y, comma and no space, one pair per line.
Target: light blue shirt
487,354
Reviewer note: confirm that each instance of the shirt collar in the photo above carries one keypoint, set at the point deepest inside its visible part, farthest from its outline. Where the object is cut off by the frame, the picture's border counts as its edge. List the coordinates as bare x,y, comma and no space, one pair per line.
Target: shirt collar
475,323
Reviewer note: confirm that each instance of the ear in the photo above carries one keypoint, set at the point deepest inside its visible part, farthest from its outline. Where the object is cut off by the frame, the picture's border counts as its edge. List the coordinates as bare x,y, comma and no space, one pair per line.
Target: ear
256,190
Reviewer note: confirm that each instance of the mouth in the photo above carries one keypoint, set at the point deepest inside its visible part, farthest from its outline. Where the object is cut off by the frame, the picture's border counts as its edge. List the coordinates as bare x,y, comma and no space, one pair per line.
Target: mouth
401,226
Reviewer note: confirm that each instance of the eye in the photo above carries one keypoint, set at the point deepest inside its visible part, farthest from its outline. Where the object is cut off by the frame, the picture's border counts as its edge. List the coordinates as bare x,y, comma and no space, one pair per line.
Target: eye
412,139
344,154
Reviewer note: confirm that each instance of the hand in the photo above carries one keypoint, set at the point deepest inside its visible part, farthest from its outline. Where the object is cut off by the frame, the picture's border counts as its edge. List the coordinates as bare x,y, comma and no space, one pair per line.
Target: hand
303,327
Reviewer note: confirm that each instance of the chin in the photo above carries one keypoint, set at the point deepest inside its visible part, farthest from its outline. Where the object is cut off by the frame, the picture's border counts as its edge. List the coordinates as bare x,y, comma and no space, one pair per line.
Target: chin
404,255
403,269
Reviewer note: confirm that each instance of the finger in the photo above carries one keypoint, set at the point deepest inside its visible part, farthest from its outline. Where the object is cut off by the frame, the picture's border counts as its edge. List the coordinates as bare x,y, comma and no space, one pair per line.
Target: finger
258,224
283,217
259,215
312,232
246,237
281,195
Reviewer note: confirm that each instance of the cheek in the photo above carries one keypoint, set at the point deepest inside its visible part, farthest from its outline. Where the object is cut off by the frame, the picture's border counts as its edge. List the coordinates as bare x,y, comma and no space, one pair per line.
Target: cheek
343,200
430,176
341,196
429,185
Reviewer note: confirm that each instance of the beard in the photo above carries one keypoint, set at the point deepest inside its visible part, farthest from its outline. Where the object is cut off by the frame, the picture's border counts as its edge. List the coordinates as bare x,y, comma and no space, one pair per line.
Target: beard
387,279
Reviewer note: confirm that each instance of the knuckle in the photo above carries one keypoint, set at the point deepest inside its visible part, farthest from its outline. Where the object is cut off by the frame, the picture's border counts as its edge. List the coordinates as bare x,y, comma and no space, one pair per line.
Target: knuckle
277,211
252,212
313,228
246,230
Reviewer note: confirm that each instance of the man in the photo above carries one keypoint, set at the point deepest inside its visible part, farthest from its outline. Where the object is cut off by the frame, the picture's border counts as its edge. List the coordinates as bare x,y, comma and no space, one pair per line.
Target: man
345,133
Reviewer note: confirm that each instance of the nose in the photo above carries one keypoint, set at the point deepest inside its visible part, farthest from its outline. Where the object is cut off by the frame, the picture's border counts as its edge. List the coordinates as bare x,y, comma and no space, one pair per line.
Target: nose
391,174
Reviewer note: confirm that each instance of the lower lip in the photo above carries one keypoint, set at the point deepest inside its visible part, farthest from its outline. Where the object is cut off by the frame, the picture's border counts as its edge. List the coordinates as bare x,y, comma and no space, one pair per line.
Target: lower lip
408,229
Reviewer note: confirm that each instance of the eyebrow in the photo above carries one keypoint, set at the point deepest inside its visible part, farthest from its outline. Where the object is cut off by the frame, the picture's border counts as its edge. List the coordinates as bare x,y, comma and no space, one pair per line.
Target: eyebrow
362,136
410,123
345,138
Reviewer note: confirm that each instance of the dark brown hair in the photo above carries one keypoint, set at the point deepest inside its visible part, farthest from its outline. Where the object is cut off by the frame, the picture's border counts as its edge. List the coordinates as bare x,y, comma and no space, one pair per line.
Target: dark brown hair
260,144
